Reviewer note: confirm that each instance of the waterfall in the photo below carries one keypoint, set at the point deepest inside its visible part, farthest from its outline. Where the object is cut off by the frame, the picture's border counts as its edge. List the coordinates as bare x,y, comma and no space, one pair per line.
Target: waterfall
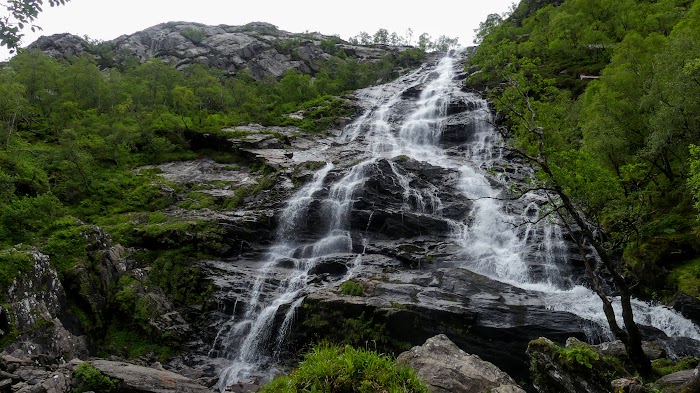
424,117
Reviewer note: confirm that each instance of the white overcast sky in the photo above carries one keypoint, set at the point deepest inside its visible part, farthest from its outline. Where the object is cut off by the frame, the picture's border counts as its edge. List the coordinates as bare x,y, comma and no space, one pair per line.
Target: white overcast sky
108,19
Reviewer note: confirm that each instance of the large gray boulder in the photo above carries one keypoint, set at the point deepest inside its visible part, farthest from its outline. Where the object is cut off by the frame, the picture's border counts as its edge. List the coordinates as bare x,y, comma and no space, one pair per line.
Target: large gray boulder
447,369
138,379
681,381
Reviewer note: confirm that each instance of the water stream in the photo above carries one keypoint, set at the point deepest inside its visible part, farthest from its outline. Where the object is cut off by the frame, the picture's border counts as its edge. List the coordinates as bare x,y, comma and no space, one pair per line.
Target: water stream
496,239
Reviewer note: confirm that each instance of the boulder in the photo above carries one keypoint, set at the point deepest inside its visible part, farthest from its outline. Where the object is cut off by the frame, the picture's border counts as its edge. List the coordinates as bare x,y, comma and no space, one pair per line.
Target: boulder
579,368
688,306
681,381
628,385
654,350
29,377
447,369
490,319
38,301
138,379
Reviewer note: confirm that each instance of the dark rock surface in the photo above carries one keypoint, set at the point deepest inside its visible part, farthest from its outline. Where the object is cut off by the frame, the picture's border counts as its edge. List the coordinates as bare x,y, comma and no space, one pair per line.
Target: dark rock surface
688,306
39,299
259,47
681,381
654,350
19,373
552,375
490,319
447,369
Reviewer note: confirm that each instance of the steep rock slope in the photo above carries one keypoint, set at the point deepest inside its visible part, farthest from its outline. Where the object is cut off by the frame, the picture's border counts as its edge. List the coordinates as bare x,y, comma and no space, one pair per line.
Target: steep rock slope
260,47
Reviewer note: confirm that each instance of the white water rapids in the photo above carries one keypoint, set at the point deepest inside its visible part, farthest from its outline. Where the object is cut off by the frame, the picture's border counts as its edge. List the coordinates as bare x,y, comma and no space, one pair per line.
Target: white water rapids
495,241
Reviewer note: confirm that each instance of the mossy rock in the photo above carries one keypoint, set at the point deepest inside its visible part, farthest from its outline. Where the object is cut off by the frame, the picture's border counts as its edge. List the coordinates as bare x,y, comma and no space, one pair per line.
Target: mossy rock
578,367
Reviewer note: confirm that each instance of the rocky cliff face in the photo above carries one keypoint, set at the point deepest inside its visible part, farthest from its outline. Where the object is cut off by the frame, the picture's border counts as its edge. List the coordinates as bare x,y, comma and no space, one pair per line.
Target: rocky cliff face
399,241
259,47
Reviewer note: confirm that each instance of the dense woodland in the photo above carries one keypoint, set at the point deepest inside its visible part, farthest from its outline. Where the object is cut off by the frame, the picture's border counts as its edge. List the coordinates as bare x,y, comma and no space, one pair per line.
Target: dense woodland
607,94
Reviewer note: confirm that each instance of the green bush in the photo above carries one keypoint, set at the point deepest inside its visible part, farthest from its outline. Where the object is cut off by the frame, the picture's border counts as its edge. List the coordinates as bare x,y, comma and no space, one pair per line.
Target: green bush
578,355
12,264
193,34
125,342
332,369
91,379
26,217
352,288
664,366
66,244
686,278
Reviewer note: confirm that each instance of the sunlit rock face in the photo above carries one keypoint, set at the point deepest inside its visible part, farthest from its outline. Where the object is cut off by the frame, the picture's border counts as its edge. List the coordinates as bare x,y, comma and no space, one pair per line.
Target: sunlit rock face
259,47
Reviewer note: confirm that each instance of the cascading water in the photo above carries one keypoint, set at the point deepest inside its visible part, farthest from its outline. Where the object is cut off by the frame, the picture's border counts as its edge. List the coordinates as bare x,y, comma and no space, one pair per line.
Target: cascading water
498,239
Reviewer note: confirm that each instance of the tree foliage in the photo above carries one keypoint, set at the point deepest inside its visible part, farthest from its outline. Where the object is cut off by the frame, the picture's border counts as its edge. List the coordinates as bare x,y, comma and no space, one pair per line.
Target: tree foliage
602,97
18,15
425,42
70,132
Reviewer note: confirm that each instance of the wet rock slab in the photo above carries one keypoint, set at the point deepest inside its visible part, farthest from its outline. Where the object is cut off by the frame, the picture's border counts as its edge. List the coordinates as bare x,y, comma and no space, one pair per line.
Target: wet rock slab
485,317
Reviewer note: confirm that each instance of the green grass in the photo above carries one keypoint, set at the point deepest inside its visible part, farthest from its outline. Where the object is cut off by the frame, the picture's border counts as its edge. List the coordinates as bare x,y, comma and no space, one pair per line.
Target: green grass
320,114
128,344
352,288
663,367
91,379
686,278
13,263
332,369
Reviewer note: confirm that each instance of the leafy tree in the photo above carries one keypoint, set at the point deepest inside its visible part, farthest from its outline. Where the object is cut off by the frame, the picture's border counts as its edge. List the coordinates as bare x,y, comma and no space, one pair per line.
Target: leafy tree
381,36
363,38
13,107
20,13
424,42
574,186
487,26
184,102
694,179
409,36
445,43
611,153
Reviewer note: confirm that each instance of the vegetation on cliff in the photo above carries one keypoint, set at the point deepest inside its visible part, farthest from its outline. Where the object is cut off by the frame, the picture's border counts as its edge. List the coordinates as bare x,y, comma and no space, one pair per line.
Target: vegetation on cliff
72,135
604,99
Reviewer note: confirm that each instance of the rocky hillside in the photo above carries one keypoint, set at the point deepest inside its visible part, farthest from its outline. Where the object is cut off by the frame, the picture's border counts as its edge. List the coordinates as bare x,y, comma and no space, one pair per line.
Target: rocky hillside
260,47
200,222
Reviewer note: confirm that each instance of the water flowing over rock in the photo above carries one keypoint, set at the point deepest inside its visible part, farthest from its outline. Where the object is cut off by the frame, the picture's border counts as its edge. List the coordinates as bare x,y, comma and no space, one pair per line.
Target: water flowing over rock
448,369
413,205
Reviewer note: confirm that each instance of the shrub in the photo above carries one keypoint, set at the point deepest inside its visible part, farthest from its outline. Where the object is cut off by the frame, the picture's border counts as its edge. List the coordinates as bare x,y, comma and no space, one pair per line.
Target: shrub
12,264
331,369
91,379
580,355
664,366
193,34
686,278
352,288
